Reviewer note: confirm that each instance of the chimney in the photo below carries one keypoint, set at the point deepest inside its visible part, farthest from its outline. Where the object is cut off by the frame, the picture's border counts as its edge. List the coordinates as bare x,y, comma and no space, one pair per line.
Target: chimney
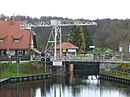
12,20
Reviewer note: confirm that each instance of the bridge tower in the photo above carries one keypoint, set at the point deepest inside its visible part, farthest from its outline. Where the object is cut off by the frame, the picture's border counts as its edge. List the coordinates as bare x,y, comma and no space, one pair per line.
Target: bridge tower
55,35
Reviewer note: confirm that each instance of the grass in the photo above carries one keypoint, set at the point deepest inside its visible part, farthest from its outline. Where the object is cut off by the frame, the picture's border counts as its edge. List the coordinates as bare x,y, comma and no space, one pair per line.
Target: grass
120,71
25,69
119,74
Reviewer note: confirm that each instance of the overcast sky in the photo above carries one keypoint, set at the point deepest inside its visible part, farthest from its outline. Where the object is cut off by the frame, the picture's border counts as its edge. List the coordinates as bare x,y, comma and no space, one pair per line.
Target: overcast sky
87,9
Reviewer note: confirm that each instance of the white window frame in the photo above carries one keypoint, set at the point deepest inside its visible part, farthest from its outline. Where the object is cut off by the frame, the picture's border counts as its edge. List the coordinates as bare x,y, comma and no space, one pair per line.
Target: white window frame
3,53
1,40
16,40
20,52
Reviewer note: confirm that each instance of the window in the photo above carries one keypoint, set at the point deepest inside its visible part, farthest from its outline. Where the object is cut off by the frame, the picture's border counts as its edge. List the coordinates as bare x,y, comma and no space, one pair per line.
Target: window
20,52
2,52
16,40
1,39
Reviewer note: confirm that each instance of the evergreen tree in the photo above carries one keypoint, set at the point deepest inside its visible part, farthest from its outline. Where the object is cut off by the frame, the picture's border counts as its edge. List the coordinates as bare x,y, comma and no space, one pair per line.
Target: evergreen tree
88,39
75,36
81,38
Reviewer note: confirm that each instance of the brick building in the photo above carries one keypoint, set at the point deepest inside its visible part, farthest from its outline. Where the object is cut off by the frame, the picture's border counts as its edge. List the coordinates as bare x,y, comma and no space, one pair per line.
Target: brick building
15,41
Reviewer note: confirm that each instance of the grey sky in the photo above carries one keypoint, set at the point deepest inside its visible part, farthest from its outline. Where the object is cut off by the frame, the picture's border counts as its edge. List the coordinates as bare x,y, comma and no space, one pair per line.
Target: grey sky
87,9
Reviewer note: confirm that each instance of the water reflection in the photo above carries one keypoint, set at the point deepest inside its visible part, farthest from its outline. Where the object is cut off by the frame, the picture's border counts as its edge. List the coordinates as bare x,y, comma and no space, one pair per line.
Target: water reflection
78,86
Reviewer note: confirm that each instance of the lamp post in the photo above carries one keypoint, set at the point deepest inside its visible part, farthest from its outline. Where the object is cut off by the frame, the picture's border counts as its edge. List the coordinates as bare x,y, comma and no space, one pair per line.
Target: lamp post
17,63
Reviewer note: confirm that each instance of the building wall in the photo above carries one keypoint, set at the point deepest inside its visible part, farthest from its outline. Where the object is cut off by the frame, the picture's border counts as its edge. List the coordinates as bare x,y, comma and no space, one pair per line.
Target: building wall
12,55
66,53
12,52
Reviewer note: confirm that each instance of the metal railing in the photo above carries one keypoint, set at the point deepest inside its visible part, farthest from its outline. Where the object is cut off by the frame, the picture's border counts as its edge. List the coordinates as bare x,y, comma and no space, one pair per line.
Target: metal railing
88,57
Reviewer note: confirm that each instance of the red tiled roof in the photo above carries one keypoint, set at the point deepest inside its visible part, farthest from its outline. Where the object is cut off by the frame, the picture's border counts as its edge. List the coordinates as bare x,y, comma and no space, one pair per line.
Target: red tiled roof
67,45
10,30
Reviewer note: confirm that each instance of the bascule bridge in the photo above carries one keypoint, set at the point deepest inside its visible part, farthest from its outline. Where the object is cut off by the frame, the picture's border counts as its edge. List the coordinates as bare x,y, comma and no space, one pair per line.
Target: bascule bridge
56,37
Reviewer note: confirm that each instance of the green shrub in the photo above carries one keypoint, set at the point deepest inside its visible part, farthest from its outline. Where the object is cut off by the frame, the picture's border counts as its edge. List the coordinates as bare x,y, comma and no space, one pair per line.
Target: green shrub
123,67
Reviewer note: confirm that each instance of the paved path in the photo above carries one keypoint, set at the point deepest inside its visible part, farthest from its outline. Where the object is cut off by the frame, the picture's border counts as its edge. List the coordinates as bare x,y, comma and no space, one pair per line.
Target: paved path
3,79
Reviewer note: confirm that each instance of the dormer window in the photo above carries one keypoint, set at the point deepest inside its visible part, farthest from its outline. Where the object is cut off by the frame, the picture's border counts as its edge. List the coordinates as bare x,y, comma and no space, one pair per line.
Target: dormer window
1,40
16,40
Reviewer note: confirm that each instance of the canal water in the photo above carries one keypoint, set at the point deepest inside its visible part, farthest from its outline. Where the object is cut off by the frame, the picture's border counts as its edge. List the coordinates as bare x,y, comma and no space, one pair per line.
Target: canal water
78,86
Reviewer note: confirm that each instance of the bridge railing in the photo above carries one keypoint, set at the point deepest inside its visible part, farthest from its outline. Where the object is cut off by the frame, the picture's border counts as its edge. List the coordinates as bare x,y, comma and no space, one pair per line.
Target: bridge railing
78,57
81,57
85,57
89,57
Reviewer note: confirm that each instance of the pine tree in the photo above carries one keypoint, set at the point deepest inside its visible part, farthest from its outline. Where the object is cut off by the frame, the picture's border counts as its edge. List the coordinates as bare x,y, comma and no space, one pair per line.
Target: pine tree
81,38
75,36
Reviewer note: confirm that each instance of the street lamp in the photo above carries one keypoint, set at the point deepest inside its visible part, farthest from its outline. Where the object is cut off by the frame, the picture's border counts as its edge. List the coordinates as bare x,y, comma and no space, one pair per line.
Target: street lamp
17,63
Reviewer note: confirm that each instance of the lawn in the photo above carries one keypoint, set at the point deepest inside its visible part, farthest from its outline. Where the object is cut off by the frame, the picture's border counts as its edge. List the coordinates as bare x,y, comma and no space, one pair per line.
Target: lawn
23,69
